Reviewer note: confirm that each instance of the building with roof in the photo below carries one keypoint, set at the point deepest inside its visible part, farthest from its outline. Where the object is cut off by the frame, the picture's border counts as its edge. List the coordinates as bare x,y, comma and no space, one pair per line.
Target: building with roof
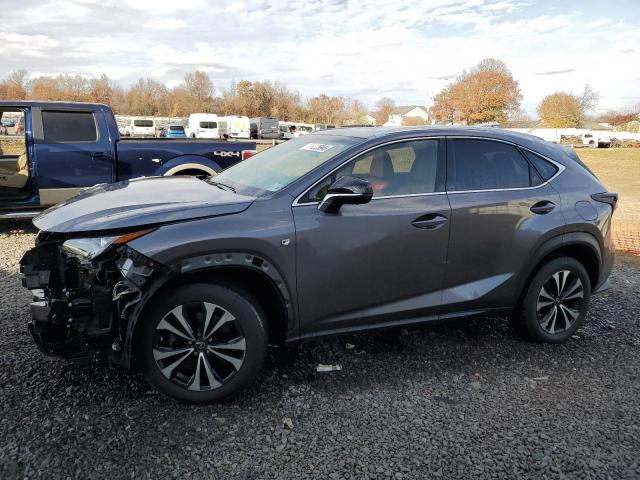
408,114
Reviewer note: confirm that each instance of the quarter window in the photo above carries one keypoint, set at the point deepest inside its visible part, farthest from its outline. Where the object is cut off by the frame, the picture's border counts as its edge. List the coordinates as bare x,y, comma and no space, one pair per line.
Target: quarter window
397,169
69,127
488,165
545,168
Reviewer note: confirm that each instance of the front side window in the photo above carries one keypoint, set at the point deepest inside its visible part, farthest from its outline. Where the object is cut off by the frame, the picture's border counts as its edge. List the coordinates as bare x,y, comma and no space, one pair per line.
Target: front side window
487,165
402,168
69,127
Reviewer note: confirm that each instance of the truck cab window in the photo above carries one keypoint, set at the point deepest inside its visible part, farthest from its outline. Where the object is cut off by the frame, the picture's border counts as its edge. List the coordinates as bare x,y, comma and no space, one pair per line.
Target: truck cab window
69,127
14,168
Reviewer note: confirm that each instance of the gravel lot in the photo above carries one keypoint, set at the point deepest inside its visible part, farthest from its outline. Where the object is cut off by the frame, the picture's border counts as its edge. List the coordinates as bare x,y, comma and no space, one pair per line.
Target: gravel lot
465,401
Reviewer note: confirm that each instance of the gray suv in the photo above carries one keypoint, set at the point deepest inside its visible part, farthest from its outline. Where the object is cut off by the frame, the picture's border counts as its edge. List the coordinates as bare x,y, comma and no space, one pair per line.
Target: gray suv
339,231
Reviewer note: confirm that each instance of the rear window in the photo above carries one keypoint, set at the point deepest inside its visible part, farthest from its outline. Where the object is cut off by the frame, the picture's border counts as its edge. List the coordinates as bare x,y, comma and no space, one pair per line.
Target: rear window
176,129
143,123
208,124
545,168
69,127
487,165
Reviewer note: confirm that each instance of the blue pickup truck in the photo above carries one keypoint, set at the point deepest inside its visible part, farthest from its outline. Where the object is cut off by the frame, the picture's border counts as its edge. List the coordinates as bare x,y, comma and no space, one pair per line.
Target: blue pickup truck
49,151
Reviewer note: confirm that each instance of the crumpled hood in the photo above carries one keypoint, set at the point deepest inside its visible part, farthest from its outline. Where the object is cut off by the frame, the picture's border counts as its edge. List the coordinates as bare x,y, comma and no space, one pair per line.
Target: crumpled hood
140,202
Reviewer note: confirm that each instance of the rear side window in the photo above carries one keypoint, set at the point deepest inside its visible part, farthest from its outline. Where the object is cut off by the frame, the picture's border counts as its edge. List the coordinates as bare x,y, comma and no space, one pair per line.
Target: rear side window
545,168
487,165
69,127
143,123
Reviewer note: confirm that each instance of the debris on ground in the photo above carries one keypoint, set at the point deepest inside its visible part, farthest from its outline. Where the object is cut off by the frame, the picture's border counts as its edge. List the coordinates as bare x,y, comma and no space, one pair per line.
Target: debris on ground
287,422
328,368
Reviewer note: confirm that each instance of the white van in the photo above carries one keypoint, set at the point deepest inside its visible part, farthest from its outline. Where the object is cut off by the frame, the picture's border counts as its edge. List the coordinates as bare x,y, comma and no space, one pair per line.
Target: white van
205,125
238,126
140,127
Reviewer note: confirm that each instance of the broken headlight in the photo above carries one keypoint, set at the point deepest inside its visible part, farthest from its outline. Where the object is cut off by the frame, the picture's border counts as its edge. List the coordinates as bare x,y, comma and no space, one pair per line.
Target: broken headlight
90,247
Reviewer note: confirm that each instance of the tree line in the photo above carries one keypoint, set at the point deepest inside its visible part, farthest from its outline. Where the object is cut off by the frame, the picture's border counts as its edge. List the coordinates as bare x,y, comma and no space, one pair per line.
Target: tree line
487,93
196,93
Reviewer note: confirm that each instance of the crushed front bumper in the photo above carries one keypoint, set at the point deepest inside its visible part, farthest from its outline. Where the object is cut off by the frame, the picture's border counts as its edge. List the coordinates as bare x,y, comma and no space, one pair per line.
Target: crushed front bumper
80,308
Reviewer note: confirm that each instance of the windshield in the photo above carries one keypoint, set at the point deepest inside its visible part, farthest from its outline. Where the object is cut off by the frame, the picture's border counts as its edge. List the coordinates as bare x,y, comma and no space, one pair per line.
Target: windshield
276,167
176,129
143,123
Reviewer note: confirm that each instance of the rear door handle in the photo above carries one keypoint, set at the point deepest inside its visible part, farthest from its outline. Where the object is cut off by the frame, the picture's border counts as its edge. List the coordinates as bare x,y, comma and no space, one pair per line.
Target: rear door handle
543,207
430,221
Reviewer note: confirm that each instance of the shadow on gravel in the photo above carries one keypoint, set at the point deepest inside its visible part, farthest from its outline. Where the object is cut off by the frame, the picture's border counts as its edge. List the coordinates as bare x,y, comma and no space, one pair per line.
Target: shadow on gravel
14,227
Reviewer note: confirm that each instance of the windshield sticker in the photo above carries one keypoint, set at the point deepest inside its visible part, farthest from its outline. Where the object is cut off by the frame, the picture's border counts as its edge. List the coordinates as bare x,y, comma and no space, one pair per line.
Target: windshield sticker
317,147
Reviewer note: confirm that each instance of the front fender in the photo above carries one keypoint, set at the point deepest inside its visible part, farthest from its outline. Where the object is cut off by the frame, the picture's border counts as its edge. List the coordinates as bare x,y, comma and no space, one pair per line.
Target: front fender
188,162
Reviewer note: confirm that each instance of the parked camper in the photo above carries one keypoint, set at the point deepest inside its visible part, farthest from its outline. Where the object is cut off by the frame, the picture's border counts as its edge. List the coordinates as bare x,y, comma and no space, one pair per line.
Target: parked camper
238,126
206,125
264,127
140,127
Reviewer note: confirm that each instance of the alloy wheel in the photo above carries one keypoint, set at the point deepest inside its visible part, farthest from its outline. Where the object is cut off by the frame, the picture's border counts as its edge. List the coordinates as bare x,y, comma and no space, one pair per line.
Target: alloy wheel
199,346
559,302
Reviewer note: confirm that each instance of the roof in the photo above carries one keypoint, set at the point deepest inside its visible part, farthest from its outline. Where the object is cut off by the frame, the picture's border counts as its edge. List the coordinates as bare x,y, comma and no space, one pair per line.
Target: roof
402,110
48,103
537,144
432,130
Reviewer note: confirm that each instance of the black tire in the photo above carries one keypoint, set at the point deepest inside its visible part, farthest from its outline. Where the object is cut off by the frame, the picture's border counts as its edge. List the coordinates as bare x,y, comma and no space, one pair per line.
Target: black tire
248,324
535,319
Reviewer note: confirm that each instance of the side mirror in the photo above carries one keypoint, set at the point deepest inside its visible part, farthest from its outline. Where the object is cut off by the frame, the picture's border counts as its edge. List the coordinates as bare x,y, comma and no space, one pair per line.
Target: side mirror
346,190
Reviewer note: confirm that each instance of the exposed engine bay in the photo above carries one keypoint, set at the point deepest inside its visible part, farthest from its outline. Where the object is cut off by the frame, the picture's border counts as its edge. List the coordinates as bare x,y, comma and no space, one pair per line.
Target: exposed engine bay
85,291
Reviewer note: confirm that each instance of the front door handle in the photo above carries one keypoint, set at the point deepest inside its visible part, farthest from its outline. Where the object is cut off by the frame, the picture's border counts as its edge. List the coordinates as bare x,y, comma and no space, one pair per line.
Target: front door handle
430,221
543,207
100,155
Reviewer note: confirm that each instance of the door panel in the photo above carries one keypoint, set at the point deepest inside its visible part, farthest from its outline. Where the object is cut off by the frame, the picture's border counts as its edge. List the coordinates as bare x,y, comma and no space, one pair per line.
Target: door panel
494,232
69,156
369,263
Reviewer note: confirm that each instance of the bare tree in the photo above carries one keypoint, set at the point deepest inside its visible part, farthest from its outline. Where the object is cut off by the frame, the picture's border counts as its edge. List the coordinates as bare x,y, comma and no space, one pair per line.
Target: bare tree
384,107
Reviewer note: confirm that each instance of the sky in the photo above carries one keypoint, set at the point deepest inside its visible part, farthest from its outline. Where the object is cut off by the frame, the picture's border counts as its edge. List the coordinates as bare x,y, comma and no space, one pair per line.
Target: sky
407,50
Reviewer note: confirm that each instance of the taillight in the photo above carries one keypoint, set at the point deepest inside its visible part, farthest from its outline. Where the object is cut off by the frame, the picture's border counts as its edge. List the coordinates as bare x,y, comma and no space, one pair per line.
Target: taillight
607,197
247,154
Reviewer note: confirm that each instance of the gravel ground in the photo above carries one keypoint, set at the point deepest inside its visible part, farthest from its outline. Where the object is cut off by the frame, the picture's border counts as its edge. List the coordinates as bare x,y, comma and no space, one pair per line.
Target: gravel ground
465,401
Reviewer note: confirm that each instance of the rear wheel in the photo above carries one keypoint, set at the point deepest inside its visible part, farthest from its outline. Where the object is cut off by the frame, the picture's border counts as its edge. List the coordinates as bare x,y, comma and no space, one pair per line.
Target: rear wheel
556,302
203,343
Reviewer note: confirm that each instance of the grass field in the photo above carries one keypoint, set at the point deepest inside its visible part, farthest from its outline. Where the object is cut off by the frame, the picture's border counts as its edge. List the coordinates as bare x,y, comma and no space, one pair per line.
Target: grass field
619,170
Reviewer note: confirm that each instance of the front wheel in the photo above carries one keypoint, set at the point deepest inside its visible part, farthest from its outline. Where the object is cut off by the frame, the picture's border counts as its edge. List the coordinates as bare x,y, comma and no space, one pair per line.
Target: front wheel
203,343
556,301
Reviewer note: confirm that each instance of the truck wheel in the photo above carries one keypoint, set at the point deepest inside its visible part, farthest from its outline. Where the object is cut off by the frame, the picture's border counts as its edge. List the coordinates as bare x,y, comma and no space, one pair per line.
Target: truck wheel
556,302
203,343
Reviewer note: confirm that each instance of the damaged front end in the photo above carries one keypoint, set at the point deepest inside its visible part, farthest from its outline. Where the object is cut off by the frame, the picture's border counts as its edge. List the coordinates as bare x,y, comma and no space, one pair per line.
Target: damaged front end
85,290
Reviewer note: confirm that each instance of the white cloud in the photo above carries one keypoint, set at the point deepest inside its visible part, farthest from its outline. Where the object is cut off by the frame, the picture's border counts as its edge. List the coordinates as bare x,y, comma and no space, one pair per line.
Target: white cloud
165,24
405,49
